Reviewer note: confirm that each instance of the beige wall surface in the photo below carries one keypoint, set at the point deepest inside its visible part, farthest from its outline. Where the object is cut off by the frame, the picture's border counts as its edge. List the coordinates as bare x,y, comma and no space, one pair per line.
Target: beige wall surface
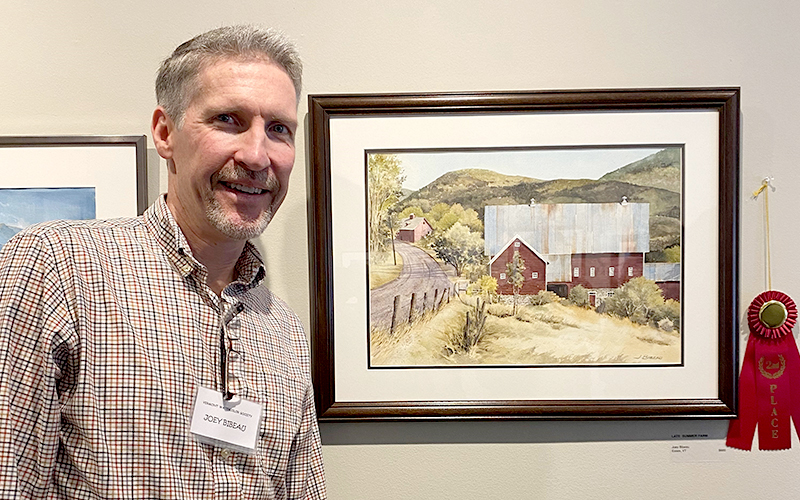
87,67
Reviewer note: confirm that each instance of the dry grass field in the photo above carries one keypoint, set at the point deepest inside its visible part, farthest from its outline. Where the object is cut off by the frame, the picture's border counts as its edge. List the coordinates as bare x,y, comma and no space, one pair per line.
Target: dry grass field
382,268
551,334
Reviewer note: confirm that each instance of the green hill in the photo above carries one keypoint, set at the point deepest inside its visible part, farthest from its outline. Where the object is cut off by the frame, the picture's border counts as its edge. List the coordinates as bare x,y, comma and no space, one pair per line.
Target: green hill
654,180
661,170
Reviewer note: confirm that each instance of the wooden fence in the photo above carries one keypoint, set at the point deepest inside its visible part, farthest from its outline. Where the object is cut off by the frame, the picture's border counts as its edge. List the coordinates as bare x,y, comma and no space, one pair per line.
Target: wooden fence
408,309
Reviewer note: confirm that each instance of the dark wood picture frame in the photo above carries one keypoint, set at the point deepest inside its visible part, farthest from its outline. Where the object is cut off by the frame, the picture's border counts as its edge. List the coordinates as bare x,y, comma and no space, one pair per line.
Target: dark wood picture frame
138,142
324,108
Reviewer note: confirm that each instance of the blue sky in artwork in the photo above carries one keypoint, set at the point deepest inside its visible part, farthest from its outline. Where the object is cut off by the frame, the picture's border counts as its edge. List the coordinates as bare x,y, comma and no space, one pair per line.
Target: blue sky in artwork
20,208
421,168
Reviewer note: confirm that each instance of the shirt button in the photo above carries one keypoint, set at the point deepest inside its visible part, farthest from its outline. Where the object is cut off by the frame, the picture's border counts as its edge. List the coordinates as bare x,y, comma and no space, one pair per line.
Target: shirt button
225,454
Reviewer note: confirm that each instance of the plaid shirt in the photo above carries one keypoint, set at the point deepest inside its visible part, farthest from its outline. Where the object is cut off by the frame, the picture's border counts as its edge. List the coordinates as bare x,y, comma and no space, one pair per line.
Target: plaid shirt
107,329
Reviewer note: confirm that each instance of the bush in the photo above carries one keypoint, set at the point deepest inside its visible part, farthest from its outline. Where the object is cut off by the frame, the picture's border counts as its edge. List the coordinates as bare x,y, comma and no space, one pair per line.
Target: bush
473,330
542,298
579,296
641,301
673,253
670,310
485,286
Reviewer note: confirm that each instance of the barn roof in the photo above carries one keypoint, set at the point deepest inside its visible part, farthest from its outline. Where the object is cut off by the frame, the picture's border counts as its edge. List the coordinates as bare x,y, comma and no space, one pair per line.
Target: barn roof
512,240
412,223
570,228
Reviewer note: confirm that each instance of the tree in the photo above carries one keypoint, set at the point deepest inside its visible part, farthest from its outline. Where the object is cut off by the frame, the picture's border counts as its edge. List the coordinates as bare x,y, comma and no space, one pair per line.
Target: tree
515,277
385,181
474,270
437,212
458,246
443,216
445,222
406,213
470,219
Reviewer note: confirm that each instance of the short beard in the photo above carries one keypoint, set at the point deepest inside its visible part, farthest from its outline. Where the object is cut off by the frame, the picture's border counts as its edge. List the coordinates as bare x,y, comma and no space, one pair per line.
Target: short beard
242,230
245,230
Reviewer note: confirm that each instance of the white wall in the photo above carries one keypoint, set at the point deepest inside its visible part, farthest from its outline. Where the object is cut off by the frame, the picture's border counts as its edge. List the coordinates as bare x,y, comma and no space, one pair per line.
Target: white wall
87,67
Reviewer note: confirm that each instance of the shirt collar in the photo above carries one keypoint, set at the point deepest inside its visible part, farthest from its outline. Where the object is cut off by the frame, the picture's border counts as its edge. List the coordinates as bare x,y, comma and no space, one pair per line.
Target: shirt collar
165,230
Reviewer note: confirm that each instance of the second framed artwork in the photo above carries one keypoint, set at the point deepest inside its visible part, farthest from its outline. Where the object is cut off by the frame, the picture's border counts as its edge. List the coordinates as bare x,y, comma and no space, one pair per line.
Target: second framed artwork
554,254
70,177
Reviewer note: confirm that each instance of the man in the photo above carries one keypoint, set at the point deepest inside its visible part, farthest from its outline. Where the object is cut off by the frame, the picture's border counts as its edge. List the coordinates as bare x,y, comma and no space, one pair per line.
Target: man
140,357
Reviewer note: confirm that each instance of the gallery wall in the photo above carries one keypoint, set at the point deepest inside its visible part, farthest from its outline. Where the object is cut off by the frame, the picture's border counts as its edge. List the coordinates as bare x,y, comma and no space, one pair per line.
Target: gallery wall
87,67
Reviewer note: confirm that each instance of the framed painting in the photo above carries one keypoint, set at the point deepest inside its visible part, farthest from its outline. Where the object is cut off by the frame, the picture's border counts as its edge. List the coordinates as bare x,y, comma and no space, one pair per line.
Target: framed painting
70,177
551,254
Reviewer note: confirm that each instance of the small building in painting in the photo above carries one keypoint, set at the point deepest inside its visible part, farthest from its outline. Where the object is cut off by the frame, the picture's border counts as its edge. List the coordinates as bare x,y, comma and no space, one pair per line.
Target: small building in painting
413,229
534,272
667,276
597,245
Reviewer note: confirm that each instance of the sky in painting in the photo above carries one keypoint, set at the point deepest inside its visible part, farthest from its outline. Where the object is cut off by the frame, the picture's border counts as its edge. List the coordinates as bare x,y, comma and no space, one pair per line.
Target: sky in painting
23,207
421,168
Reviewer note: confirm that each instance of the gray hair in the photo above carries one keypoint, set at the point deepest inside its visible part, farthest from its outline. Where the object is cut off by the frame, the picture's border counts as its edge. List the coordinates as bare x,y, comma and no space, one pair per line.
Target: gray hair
176,83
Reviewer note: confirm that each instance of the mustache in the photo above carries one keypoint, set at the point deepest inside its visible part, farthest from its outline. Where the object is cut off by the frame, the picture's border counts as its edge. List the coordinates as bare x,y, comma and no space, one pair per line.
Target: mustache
235,173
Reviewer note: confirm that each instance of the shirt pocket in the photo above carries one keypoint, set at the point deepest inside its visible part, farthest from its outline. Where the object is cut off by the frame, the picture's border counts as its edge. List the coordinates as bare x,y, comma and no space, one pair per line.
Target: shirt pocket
282,398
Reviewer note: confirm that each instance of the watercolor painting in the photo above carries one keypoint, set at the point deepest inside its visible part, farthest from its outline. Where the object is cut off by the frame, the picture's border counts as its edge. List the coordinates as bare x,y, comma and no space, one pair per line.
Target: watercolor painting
525,257
20,208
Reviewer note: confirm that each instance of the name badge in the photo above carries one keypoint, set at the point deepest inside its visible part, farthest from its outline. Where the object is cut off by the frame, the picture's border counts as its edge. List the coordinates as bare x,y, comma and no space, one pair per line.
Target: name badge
230,424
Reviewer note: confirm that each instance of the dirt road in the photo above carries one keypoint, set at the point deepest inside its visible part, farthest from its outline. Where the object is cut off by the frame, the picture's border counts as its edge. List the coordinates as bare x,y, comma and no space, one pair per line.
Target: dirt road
421,275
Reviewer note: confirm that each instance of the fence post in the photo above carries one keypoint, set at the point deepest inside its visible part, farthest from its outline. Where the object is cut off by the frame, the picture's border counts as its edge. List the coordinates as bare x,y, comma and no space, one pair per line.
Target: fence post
411,308
435,306
394,314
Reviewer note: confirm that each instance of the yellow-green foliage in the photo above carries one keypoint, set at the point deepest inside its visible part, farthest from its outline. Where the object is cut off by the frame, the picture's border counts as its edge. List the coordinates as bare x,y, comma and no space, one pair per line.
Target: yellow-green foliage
458,246
442,216
543,297
485,286
673,253
384,182
579,296
641,300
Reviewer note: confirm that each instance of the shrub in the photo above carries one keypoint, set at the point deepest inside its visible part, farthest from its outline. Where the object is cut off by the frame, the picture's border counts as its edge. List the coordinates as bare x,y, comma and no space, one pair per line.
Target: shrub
542,298
670,310
485,286
474,328
641,301
579,296
501,310
673,253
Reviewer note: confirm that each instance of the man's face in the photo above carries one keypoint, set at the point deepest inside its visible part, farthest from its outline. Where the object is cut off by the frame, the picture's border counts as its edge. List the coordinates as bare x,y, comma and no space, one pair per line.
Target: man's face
230,161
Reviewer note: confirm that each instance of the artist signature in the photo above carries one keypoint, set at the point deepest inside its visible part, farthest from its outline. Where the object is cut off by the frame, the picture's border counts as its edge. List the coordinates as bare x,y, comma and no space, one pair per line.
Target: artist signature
649,357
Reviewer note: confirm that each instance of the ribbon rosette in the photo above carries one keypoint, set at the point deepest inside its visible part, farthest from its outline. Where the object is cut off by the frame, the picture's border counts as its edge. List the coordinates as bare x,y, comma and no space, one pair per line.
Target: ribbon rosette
771,368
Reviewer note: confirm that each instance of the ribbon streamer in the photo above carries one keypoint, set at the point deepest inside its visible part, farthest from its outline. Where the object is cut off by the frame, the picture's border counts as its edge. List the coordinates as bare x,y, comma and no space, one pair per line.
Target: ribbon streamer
766,183
769,387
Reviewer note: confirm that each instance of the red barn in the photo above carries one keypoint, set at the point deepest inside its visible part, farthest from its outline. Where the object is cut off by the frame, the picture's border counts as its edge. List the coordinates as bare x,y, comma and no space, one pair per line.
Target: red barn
605,270
597,245
534,273
414,229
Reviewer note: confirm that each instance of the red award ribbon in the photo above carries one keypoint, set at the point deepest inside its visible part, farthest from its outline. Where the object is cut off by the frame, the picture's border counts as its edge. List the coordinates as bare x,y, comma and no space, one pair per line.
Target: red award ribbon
770,369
